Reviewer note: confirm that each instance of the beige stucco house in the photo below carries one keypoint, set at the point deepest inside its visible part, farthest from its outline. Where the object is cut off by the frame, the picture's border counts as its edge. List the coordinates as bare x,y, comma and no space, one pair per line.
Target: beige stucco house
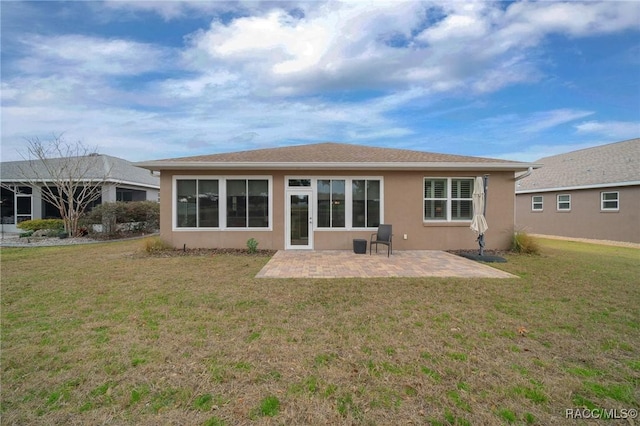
322,196
591,193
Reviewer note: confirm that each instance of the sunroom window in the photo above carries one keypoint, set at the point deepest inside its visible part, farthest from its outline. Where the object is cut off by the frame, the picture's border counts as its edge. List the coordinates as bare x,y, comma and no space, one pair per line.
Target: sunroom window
247,203
197,203
365,210
331,203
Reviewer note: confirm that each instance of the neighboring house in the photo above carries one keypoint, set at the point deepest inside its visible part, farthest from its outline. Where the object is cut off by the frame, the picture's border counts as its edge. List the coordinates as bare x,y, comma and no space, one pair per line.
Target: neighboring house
124,182
591,193
322,196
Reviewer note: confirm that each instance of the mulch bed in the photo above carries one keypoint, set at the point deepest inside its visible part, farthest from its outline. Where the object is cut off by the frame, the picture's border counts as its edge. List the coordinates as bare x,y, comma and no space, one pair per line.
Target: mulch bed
489,256
209,252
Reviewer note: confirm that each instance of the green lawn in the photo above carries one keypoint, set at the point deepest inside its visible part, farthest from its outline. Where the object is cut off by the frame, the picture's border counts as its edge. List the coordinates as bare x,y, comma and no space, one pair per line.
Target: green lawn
107,334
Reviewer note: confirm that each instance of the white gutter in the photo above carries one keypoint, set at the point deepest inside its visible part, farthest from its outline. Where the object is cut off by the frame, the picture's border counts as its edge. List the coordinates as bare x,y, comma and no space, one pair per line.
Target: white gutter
572,188
453,166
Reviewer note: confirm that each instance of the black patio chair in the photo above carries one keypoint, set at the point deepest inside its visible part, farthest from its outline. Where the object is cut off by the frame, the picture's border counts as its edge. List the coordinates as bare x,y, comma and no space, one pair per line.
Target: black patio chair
383,236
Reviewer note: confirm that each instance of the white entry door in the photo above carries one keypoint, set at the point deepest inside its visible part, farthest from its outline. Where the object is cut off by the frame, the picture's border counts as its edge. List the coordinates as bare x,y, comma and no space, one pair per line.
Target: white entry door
299,222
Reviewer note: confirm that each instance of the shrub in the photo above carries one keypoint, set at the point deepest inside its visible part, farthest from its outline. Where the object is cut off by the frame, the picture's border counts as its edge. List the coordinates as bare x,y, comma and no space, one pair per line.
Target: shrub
38,224
145,214
155,245
524,243
252,245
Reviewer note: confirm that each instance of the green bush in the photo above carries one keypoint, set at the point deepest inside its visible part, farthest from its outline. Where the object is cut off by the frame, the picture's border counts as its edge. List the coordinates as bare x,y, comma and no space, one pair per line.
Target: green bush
38,224
252,245
146,215
524,243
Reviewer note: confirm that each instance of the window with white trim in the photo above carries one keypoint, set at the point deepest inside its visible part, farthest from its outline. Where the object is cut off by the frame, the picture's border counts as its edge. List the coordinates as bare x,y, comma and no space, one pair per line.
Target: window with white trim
197,203
448,199
564,202
247,203
216,202
537,203
610,201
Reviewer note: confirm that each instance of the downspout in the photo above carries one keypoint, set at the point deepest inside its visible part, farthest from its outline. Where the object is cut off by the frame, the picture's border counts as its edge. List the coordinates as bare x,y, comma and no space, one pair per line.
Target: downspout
525,174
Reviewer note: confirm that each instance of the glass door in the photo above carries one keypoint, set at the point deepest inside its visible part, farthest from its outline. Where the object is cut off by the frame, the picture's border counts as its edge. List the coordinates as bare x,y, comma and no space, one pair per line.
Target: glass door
299,227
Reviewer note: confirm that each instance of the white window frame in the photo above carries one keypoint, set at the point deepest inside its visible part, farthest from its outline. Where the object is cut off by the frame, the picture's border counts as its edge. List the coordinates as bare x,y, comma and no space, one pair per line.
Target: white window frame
558,202
537,206
348,220
603,201
222,202
449,199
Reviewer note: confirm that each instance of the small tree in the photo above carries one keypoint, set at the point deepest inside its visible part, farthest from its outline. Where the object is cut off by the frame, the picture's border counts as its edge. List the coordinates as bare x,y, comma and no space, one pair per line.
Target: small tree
70,176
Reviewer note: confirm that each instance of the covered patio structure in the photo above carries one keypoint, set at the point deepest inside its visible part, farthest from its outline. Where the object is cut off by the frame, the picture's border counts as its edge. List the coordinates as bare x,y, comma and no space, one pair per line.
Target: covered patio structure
346,264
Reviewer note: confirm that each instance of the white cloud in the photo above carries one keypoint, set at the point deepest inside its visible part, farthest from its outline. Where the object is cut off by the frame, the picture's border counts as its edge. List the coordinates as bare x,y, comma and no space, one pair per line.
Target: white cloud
612,129
548,119
477,46
529,124
79,54
271,74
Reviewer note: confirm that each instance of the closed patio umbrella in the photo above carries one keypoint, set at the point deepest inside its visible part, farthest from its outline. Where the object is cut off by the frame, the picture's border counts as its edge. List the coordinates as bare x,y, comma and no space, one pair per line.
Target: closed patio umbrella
479,223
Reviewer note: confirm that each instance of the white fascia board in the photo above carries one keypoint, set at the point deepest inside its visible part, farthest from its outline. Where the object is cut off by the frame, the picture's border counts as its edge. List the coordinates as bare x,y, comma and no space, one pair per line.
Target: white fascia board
130,183
453,166
573,188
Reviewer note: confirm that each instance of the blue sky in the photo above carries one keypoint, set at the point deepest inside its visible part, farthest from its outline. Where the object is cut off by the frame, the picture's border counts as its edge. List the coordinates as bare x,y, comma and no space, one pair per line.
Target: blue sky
145,80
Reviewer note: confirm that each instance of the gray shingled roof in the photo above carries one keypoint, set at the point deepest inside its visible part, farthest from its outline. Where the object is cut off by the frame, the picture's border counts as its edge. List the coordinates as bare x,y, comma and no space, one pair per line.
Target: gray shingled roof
604,165
328,155
116,169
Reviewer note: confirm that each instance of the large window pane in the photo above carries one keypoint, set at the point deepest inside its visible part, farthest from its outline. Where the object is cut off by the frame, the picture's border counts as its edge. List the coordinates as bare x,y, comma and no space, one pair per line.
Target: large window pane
359,210
186,203
324,203
338,206
208,200
331,203
237,203
259,203
366,203
373,203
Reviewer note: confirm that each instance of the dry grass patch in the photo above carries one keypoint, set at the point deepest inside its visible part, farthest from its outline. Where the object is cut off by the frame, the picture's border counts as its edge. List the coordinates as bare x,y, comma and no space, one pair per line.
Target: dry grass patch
106,333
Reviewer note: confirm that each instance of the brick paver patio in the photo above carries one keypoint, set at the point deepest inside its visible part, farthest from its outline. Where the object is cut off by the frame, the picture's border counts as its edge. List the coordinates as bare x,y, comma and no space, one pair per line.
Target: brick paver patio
346,264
